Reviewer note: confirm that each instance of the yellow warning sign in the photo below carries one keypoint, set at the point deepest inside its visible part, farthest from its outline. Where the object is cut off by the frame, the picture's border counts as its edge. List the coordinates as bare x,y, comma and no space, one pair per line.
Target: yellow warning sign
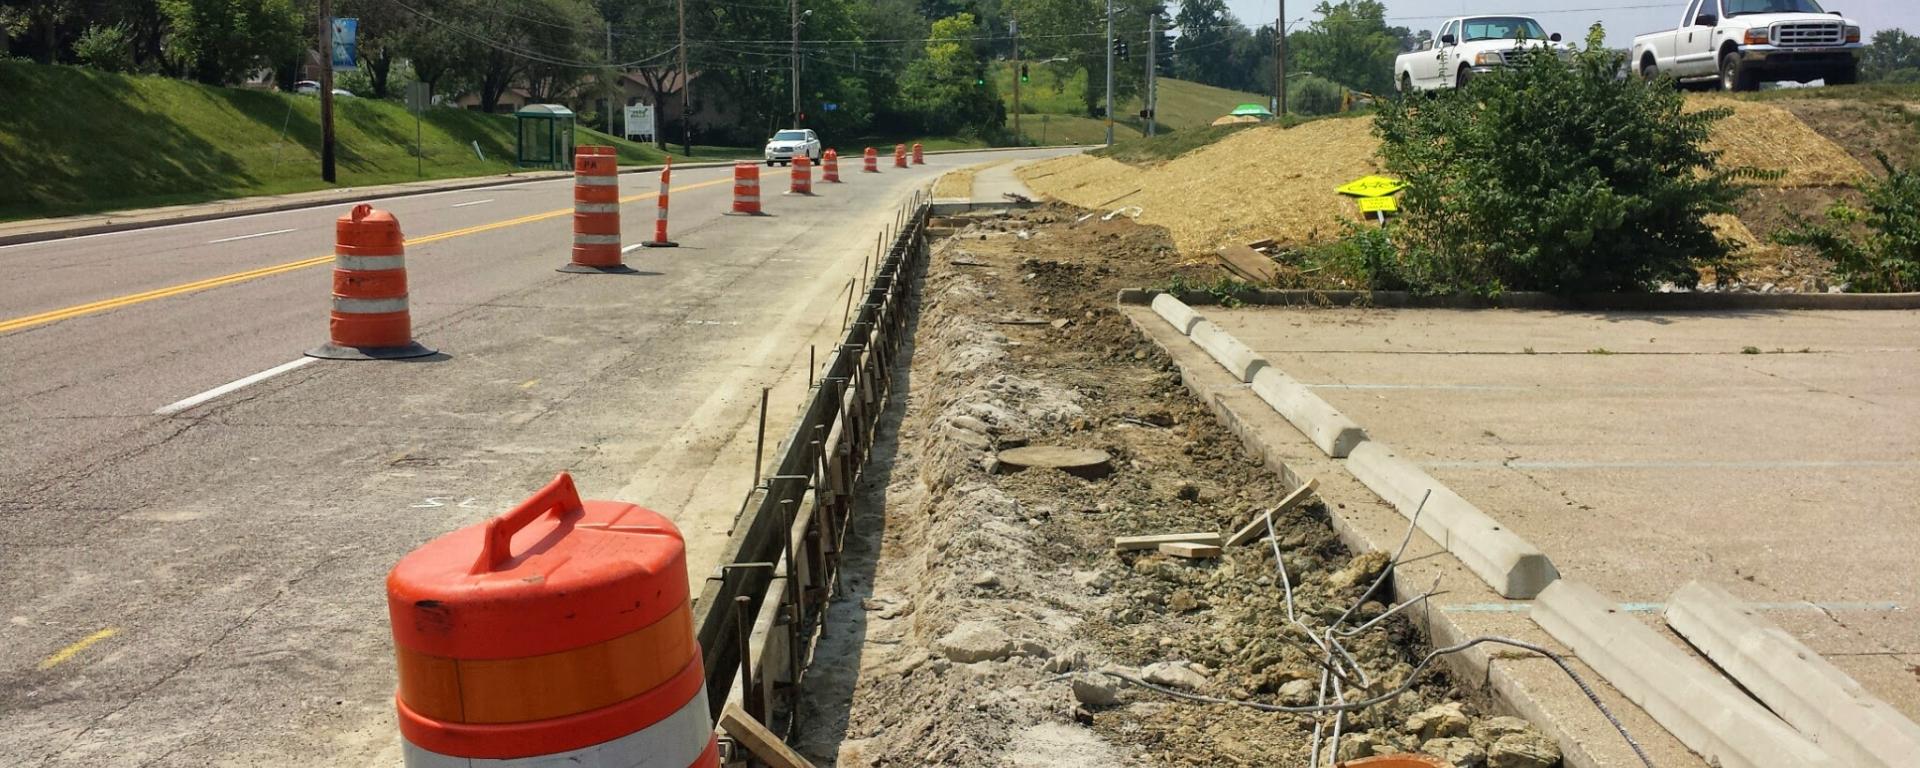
1372,186
1378,205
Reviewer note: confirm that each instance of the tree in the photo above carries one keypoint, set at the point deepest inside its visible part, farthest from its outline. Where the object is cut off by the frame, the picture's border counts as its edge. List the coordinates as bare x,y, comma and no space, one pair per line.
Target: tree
947,89
1201,53
1555,177
220,42
383,31
1894,56
1350,44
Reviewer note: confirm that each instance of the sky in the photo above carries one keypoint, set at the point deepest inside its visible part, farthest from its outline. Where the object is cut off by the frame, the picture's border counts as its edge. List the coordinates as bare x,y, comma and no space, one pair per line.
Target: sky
1623,18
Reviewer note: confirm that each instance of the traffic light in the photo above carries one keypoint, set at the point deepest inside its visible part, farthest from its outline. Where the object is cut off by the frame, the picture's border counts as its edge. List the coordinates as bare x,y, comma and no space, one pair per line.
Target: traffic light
979,80
1023,73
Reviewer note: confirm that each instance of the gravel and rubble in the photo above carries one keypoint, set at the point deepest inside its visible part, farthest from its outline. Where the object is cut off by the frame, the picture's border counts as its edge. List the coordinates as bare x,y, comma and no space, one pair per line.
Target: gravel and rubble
995,607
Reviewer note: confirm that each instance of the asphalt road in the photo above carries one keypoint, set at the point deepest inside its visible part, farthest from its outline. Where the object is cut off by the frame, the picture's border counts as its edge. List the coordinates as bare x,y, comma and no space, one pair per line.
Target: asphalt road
206,588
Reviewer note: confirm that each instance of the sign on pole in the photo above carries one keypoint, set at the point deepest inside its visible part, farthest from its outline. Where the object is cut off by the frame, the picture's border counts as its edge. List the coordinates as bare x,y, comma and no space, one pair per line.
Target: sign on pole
1372,186
346,44
419,97
1378,205
640,122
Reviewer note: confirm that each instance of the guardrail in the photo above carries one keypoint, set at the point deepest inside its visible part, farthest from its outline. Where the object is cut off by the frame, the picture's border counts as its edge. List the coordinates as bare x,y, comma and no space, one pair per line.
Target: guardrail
758,615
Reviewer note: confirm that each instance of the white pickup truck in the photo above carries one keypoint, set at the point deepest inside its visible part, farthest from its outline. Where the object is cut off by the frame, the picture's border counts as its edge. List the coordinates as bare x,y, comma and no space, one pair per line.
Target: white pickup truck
1742,43
1469,46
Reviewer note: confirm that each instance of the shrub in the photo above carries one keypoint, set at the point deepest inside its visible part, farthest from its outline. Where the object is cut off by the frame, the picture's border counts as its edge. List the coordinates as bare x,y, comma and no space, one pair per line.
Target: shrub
1888,259
1316,96
1556,176
107,48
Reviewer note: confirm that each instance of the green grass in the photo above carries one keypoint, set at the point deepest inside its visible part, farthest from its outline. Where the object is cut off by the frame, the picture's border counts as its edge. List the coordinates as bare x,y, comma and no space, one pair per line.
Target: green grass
1056,89
75,140
1871,92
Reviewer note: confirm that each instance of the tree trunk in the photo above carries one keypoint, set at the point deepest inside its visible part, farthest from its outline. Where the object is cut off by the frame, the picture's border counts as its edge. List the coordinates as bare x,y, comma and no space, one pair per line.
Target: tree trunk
378,67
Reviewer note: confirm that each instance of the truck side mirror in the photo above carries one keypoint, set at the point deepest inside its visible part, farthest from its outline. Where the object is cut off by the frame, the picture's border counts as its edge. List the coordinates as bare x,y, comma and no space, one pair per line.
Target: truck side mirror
1554,38
1448,39
1706,20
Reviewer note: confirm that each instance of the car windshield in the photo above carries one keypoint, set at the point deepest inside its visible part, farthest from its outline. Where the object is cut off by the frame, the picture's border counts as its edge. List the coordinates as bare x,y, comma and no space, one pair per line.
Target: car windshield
790,136
1505,28
1738,7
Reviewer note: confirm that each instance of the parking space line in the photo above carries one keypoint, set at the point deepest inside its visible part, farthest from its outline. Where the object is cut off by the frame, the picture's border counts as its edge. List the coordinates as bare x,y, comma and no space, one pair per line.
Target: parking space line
73,650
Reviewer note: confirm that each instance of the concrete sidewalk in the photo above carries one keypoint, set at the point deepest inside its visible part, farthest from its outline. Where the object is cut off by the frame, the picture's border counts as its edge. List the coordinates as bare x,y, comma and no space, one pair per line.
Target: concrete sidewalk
1774,453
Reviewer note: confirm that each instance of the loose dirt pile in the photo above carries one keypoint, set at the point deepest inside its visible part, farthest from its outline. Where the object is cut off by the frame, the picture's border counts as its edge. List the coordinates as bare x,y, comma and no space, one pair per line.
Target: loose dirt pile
1270,182
997,595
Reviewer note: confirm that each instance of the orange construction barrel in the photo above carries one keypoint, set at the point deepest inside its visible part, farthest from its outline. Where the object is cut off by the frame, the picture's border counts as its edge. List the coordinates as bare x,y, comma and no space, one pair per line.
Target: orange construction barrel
558,633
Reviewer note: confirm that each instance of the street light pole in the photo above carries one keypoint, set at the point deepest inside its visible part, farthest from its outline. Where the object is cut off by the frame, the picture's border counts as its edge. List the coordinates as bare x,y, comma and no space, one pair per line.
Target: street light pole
686,94
1109,73
793,10
1013,29
1280,60
1153,41
326,91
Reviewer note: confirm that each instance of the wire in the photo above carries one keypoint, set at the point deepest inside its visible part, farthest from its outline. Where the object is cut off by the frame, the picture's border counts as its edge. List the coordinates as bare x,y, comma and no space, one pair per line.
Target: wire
530,55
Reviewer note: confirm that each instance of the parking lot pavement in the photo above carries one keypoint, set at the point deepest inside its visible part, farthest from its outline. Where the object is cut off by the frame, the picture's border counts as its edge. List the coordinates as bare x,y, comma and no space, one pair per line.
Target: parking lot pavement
1775,453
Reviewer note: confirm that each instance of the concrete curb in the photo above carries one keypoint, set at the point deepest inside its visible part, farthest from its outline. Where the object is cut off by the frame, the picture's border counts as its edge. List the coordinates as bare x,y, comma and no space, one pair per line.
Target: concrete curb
344,196
1690,700
1792,680
1330,430
1514,568
1622,302
1176,313
1238,358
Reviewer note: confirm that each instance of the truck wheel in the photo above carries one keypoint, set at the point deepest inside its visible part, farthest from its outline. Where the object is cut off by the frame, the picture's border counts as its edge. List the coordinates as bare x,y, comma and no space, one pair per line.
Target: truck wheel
1461,81
1406,84
1847,75
1734,76
1649,71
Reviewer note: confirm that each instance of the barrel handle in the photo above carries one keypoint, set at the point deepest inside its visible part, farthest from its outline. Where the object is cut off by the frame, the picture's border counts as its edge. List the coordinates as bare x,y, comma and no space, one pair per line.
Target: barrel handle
559,497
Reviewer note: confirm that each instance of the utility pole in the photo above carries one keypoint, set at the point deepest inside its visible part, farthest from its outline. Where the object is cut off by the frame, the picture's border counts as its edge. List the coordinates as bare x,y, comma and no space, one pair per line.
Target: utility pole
793,9
616,79
1280,62
1013,29
1153,44
686,92
326,91
1110,44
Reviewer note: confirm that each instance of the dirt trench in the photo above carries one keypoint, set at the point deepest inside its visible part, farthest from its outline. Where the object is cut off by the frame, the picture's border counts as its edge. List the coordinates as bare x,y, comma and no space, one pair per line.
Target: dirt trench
982,605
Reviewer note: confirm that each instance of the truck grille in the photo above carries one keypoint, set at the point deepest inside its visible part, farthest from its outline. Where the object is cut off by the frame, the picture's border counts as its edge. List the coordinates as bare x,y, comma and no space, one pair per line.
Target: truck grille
1802,34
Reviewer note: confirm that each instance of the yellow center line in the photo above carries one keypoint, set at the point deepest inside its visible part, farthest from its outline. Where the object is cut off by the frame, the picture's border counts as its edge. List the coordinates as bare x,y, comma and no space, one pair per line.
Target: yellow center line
82,310
74,650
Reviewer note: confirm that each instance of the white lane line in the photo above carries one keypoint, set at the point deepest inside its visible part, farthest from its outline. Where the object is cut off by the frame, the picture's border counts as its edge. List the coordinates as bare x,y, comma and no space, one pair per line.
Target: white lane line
171,409
252,236
471,202
632,248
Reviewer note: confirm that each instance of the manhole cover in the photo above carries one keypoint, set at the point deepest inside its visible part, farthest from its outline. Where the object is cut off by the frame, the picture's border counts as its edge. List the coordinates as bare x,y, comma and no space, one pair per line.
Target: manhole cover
1083,462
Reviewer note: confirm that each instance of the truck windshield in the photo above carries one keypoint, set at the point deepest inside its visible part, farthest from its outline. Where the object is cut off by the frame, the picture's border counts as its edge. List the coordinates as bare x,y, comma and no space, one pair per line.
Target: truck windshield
1513,27
1738,7
790,136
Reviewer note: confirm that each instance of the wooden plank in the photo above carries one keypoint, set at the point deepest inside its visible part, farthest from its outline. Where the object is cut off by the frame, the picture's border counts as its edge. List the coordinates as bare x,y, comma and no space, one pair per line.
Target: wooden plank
1248,264
1131,543
758,740
1189,550
1259,525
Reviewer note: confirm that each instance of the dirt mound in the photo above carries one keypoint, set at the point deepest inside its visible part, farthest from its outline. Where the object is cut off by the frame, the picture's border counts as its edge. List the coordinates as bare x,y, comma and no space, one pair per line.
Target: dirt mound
1274,182
997,596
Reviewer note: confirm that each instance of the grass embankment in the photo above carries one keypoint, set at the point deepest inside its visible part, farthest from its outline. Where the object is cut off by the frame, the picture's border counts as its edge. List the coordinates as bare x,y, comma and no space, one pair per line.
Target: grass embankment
75,140
1054,92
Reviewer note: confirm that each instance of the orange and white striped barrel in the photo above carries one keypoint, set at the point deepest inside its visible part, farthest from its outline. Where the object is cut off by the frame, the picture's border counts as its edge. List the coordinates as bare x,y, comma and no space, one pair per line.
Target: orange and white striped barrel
596,211
558,633
899,155
919,156
370,319
872,160
660,210
802,177
830,167
746,189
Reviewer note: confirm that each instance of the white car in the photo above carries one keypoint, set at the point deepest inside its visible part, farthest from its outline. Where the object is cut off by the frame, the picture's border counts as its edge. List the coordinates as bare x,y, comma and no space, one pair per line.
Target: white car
796,142
1469,46
1741,43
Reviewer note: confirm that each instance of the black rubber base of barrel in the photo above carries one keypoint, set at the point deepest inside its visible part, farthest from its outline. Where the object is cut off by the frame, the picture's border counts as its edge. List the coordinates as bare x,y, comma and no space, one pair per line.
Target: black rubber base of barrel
331,351
659,244
582,269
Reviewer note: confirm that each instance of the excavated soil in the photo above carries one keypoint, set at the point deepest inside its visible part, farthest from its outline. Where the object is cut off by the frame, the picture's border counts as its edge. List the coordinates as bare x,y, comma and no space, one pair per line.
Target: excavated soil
982,601
1270,182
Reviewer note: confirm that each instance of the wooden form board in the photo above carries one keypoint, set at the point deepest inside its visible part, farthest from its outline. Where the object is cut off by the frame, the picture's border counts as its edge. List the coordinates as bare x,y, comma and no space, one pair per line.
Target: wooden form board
1253,529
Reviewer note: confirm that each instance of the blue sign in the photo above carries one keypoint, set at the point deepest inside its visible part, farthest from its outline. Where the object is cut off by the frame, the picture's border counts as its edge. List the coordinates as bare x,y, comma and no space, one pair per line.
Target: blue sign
829,107
346,43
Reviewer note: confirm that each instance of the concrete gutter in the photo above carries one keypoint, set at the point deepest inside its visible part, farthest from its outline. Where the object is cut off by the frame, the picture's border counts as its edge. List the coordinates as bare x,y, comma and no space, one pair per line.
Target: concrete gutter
1691,700
1794,681
40,230
1624,302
